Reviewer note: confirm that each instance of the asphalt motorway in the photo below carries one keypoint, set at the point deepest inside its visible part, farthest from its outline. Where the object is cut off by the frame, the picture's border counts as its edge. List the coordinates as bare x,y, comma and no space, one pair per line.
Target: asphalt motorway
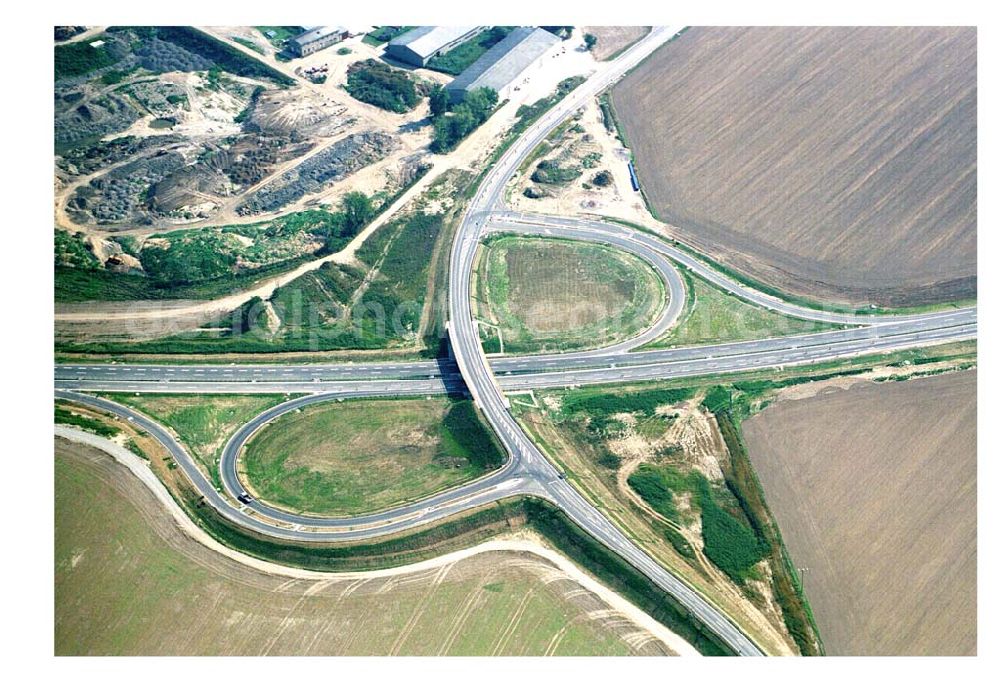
433,377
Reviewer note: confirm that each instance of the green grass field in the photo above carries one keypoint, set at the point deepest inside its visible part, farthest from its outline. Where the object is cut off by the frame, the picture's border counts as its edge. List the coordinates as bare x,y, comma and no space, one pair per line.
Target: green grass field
355,457
108,535
553,295
714,316
203,422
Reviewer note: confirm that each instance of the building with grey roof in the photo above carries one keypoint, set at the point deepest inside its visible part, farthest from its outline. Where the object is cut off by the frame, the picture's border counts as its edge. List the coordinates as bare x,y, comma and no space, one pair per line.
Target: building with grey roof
502,66
419,45
316,38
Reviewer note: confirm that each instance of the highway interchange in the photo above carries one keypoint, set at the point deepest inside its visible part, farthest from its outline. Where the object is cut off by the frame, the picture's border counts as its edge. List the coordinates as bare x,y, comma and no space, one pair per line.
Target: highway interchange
487,379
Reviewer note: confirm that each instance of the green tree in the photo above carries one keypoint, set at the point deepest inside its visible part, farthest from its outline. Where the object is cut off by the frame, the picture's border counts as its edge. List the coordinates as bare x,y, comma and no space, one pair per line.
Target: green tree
439,101
451,128
463,121
481,102
443,140
589,39
358,211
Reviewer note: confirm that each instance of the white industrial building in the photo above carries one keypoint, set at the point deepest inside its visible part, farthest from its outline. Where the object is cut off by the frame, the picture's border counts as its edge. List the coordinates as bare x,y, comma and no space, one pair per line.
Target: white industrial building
419,45
316,38
503,65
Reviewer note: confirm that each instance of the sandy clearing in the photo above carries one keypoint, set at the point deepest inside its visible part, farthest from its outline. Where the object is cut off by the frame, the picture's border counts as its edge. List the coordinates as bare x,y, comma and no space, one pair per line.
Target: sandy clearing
469,155
613,39
617,200
524,542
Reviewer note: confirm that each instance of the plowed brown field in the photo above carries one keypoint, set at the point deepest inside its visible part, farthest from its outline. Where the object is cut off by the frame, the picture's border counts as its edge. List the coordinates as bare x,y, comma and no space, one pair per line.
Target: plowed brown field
839,163
874,489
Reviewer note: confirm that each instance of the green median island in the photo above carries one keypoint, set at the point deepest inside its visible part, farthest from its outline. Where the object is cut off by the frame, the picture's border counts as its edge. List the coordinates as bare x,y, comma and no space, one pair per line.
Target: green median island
713,315
361,456
547,295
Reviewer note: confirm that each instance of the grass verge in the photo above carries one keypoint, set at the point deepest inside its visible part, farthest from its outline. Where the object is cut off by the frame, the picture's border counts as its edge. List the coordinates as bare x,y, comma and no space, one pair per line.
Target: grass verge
788,592
362,456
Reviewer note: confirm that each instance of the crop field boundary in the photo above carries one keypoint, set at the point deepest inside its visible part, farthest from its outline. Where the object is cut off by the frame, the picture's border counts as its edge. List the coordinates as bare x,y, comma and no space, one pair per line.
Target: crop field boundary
789,593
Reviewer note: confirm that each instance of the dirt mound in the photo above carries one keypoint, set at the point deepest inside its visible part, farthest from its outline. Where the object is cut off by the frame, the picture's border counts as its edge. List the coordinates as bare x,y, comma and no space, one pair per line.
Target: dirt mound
328,166
284,111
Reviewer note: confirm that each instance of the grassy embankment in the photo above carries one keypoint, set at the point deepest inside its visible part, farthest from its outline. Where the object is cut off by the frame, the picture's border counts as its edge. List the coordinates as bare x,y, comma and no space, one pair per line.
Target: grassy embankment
201,263
599,417
712,315
804,302
580,428
553,295
670,481
333,308
224,55
203,422
362,456
64,416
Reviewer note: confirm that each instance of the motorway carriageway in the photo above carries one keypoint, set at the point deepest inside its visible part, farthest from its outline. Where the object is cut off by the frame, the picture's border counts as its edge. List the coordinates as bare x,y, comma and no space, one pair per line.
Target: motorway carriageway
536,371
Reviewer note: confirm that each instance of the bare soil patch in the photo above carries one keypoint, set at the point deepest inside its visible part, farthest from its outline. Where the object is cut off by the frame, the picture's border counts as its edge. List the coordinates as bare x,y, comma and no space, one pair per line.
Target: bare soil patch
613,39
874,488
839,163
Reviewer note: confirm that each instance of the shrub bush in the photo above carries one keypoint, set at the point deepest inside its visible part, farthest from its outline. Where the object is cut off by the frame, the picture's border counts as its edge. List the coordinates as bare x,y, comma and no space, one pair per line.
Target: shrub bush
382,85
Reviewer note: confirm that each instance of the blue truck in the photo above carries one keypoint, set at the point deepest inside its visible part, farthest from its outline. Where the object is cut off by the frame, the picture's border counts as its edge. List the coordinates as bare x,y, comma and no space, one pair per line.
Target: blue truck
632,175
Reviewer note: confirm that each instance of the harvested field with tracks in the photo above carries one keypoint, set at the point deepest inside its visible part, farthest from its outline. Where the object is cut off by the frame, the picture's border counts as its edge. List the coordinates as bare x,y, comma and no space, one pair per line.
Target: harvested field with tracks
836,163
874,489
110,533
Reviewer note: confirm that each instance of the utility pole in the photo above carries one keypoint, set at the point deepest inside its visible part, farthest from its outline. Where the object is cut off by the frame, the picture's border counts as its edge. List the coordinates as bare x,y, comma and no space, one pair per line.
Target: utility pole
802,575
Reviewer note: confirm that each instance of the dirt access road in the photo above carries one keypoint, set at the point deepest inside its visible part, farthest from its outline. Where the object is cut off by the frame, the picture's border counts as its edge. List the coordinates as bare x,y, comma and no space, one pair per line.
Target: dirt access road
470,155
